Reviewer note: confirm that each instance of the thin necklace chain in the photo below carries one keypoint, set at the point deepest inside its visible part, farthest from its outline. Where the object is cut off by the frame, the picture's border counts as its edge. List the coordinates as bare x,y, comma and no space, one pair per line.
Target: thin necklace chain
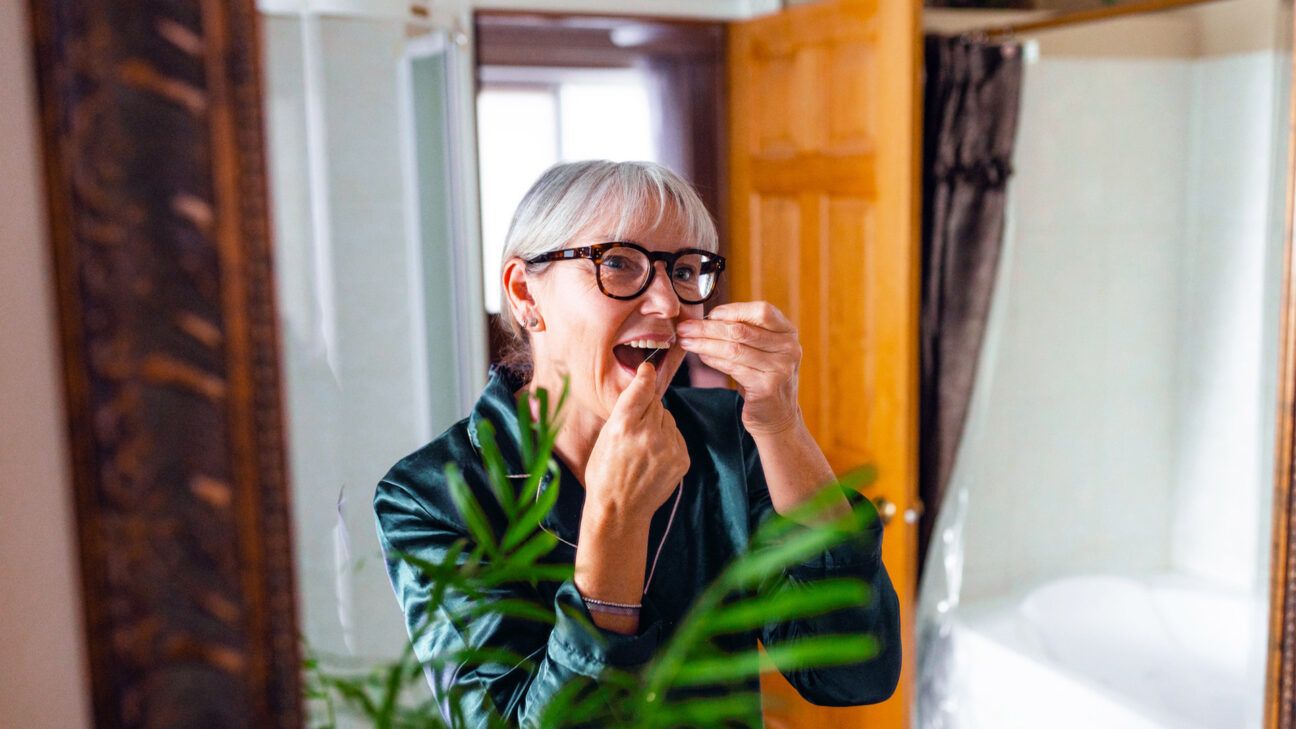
679,492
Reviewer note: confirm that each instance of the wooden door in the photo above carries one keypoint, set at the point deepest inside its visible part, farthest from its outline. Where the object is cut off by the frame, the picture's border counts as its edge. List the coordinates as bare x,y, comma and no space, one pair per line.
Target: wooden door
824,204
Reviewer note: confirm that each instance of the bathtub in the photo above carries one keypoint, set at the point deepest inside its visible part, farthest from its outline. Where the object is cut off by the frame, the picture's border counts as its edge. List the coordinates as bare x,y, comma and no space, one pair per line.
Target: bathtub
1111,652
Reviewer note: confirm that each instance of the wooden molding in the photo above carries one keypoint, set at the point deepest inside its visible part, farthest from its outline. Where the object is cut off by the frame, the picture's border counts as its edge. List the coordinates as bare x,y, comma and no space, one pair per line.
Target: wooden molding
1091,15
155,178
1280,681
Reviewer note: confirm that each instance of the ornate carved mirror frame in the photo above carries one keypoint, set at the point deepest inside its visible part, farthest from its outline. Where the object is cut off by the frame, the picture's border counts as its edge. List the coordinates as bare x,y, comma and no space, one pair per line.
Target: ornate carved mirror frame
156,185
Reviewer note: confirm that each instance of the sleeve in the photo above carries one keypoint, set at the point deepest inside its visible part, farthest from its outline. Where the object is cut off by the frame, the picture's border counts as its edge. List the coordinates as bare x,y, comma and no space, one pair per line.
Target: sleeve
557,655
860,557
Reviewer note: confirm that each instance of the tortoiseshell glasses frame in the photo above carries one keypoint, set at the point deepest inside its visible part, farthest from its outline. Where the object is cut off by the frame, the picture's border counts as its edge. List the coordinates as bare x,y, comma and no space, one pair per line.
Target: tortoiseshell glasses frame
639,268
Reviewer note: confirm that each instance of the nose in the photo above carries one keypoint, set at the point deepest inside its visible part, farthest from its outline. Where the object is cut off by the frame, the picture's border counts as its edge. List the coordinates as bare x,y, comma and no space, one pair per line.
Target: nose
660,298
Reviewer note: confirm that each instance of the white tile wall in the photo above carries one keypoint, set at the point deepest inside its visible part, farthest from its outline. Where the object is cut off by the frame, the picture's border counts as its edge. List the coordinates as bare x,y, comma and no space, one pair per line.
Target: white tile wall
1127,427
1224,461
1073,467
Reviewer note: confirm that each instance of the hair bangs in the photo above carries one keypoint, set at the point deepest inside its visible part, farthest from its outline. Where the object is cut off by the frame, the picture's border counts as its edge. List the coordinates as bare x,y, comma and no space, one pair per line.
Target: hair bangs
644,198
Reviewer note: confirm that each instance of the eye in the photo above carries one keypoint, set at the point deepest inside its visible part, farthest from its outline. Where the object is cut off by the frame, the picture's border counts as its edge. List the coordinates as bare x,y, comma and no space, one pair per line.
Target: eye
615,261
685,272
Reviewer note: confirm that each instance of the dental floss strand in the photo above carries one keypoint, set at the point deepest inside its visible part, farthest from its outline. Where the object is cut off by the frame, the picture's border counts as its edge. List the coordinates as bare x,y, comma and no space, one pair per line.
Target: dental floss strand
668,344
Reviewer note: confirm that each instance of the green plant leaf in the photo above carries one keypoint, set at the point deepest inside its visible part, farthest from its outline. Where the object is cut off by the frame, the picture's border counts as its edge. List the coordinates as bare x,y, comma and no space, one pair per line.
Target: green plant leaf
773,560
740,706
813,511
793,602
547,467
546,435
470,509
526,427
353,693
823,651
503,574
391,692
559,709
540,544
812,652
445,571
527,523
478,656
514,608
496,473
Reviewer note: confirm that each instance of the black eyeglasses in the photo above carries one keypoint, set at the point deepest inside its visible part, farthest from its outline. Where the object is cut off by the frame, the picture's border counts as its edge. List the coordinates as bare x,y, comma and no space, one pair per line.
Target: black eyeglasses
625,270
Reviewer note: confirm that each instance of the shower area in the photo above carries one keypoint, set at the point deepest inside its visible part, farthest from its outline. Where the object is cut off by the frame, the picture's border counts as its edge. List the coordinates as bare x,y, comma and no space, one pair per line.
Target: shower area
1101,554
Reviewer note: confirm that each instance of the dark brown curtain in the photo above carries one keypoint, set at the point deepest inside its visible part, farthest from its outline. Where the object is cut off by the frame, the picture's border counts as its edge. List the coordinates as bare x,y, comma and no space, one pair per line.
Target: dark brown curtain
971,98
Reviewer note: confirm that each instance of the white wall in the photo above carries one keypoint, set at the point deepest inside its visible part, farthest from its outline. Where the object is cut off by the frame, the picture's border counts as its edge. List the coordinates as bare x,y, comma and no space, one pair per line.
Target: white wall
1072,469
1227,358
354,350
43,672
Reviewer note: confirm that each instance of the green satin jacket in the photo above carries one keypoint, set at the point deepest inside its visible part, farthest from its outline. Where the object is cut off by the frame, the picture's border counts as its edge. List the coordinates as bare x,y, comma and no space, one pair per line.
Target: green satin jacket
724,498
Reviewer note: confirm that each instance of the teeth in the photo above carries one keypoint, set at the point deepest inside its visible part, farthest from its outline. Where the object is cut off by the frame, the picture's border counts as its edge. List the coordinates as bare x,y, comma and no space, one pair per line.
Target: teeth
647,343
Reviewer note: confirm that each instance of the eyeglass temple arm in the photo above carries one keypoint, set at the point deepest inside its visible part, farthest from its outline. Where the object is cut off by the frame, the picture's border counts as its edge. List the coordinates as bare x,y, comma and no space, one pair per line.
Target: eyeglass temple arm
564,254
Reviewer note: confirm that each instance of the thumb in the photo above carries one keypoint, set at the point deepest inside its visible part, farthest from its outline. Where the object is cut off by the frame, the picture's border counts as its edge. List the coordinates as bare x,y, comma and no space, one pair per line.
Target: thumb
639,394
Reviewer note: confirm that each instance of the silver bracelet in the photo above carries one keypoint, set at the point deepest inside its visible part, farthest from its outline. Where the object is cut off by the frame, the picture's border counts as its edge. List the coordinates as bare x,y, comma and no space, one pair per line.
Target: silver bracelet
612,608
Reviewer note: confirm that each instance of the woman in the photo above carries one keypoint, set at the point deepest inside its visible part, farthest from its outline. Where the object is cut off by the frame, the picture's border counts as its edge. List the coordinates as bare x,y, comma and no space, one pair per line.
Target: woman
606,266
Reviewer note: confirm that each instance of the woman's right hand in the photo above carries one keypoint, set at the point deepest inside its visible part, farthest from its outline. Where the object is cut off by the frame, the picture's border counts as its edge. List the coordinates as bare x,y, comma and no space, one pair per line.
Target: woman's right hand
639,457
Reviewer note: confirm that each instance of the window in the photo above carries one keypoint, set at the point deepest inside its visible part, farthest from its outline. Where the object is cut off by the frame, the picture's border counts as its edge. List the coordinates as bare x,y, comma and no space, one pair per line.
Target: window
531,118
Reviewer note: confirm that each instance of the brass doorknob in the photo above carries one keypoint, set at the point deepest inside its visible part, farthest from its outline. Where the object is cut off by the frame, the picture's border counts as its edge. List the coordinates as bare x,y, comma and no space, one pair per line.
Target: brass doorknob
886,509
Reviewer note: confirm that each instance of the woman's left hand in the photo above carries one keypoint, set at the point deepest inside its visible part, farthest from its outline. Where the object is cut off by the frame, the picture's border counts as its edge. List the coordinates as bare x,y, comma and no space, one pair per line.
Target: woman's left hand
756,345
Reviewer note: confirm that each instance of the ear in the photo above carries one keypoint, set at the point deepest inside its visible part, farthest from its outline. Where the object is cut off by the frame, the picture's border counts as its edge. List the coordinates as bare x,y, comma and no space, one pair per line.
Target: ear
517,291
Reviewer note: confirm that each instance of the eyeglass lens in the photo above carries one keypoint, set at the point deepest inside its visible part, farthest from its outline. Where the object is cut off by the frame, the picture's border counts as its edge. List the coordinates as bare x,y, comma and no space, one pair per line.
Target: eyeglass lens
625,272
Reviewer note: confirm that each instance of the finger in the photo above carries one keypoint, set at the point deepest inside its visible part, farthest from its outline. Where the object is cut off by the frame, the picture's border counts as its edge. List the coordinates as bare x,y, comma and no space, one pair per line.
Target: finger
638,395
760,313
745,376
669,428
755,359
741,332
670,359
665,421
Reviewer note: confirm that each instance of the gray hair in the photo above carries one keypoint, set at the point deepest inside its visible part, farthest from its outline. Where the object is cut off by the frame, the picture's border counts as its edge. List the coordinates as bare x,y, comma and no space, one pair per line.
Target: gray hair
570,198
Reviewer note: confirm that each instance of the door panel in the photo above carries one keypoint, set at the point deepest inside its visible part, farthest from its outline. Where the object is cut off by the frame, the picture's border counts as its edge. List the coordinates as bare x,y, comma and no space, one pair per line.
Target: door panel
824,212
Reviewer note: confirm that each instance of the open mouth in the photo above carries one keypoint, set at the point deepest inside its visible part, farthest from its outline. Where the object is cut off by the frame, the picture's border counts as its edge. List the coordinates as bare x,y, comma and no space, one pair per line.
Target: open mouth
632,354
